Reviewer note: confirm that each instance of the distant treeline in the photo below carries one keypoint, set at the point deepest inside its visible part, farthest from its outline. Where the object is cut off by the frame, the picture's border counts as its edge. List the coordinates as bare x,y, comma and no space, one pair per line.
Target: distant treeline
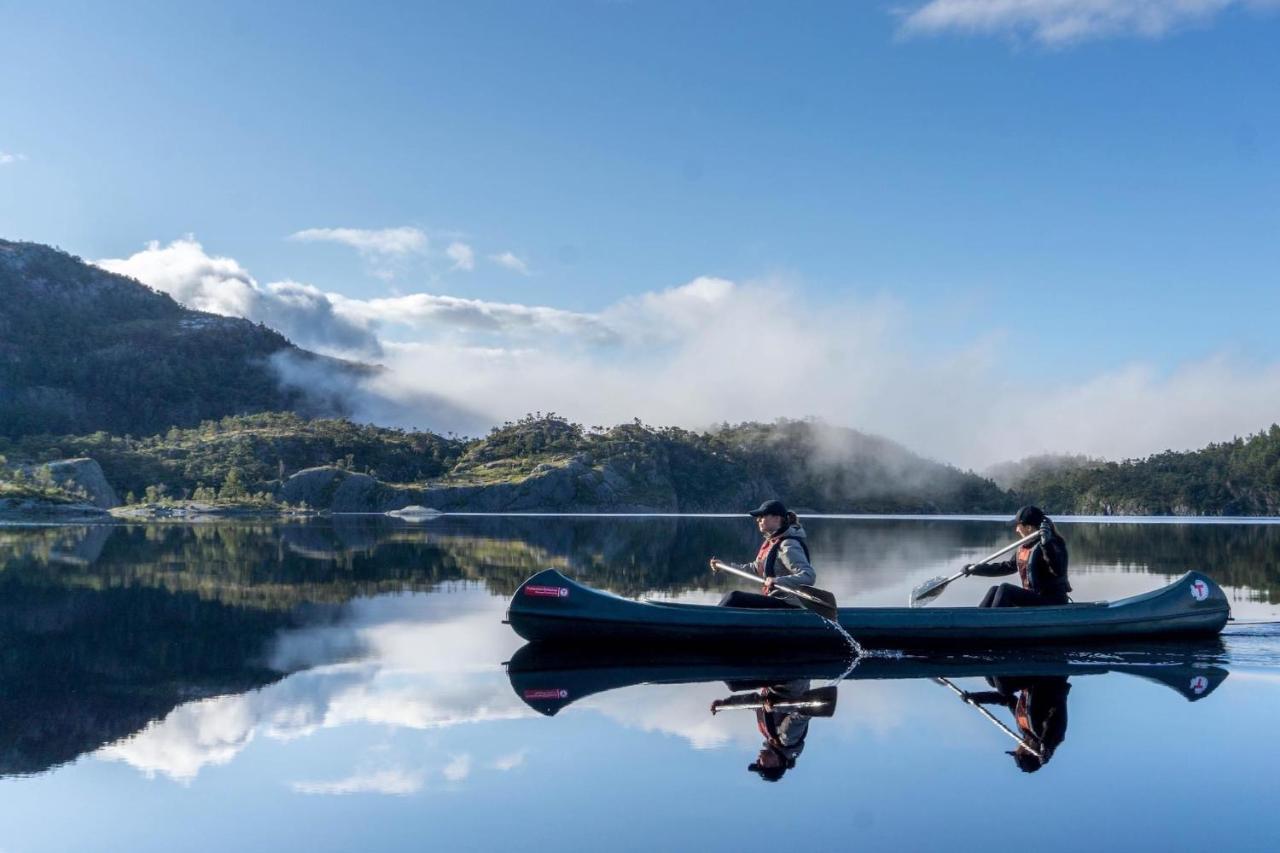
1237,477
813,466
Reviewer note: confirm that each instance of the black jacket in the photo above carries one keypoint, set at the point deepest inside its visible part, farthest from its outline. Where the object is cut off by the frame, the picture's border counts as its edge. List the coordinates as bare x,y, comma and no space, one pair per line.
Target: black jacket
1046,568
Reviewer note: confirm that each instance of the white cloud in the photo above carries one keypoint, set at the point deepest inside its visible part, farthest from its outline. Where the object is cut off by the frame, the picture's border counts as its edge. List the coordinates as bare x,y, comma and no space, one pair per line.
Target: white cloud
385,241
1058,22
425,310
462,255
220,285
458,769
7,157
511,262
690,356
394,781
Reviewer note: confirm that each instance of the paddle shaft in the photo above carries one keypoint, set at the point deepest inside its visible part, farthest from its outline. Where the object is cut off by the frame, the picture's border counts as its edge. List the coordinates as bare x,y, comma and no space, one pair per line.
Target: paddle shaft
722,566
786,706
987,559
1021,741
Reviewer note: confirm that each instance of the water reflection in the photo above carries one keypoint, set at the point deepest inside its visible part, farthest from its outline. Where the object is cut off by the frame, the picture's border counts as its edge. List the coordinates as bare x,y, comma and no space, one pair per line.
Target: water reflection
171,647
782,714
1032,686
1039,708
270,565
258,686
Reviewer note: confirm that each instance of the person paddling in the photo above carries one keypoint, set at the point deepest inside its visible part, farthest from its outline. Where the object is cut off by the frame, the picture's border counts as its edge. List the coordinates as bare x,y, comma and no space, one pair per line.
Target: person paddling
784,729
1041,565
1039,706
782,561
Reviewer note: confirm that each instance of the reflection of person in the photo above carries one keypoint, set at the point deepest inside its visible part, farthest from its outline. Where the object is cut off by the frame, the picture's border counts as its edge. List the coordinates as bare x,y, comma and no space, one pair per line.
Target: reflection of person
784,729
1041,565
1039,705
783,559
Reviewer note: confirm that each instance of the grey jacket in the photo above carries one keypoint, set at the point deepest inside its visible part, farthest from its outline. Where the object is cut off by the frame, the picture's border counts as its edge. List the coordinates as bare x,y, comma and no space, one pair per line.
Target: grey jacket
791,567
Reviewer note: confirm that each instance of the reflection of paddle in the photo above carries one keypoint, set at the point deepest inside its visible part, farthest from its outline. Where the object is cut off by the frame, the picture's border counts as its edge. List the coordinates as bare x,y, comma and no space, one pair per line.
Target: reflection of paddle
931,589
818,702
1021,741
811,598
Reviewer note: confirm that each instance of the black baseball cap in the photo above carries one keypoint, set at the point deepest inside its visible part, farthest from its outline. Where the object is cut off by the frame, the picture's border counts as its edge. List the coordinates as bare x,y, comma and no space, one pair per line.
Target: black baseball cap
768,774
1031,515
769,508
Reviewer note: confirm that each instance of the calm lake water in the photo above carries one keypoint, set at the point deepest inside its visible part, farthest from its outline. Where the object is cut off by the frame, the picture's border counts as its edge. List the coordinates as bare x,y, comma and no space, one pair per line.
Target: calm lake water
340,684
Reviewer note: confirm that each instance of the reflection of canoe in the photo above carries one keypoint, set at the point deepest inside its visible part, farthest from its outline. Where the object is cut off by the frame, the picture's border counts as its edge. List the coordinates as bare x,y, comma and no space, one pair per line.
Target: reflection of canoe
548,678
551,607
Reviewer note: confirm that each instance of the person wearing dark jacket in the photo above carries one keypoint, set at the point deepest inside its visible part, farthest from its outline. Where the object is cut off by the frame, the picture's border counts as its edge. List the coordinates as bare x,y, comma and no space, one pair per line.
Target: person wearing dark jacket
1039,706
1041,565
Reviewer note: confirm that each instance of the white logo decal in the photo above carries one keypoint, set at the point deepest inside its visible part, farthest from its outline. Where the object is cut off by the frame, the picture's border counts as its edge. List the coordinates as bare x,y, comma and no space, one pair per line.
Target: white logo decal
1199,684
1199,590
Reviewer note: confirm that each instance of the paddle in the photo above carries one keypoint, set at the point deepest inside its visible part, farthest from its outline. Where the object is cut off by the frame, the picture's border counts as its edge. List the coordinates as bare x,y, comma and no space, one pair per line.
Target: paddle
932,588
1021,741
818,702
811,598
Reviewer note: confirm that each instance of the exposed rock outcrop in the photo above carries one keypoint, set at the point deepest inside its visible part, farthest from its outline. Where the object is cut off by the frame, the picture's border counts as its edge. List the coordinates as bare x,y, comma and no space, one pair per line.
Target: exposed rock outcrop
83,476
574,486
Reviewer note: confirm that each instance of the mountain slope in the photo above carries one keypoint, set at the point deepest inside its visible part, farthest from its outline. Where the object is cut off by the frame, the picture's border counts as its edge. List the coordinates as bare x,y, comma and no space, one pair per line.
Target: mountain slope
82,349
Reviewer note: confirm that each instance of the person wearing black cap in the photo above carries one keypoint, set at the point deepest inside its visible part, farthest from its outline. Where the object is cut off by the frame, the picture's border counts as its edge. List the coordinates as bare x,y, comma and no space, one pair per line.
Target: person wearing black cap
782,561
1039,706
784,729
1041,565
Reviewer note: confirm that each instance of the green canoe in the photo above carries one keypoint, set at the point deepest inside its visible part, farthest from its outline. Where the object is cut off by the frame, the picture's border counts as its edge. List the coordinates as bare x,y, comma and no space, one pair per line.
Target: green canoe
550,607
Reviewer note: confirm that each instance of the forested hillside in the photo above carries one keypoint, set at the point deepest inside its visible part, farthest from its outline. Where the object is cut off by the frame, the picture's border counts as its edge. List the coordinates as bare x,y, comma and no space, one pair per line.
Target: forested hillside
1237,477
82,349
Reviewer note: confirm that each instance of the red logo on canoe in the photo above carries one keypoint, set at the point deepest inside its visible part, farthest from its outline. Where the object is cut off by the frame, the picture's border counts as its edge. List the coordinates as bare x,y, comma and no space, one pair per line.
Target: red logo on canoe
547,694
1199,590
547,591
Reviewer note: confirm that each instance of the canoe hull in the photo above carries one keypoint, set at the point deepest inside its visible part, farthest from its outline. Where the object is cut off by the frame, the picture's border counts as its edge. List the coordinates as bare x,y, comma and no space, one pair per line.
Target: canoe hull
550,607
549,677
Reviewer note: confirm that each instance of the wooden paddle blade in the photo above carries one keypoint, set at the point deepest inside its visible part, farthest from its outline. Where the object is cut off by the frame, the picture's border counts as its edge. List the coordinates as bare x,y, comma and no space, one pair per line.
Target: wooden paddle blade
820,594
826,611
826,699
929,590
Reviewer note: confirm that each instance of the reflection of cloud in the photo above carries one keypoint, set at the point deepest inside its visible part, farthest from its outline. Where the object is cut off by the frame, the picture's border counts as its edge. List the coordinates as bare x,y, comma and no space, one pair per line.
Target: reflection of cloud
458,768
683,710
404,682
395,782
510,762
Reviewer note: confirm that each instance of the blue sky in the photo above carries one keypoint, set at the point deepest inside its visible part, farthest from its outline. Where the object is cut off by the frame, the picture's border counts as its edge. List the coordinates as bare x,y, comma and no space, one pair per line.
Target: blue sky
1071,193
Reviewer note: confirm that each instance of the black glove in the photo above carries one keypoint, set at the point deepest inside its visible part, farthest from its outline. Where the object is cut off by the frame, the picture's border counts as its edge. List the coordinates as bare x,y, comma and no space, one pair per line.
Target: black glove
968,569
1046,532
